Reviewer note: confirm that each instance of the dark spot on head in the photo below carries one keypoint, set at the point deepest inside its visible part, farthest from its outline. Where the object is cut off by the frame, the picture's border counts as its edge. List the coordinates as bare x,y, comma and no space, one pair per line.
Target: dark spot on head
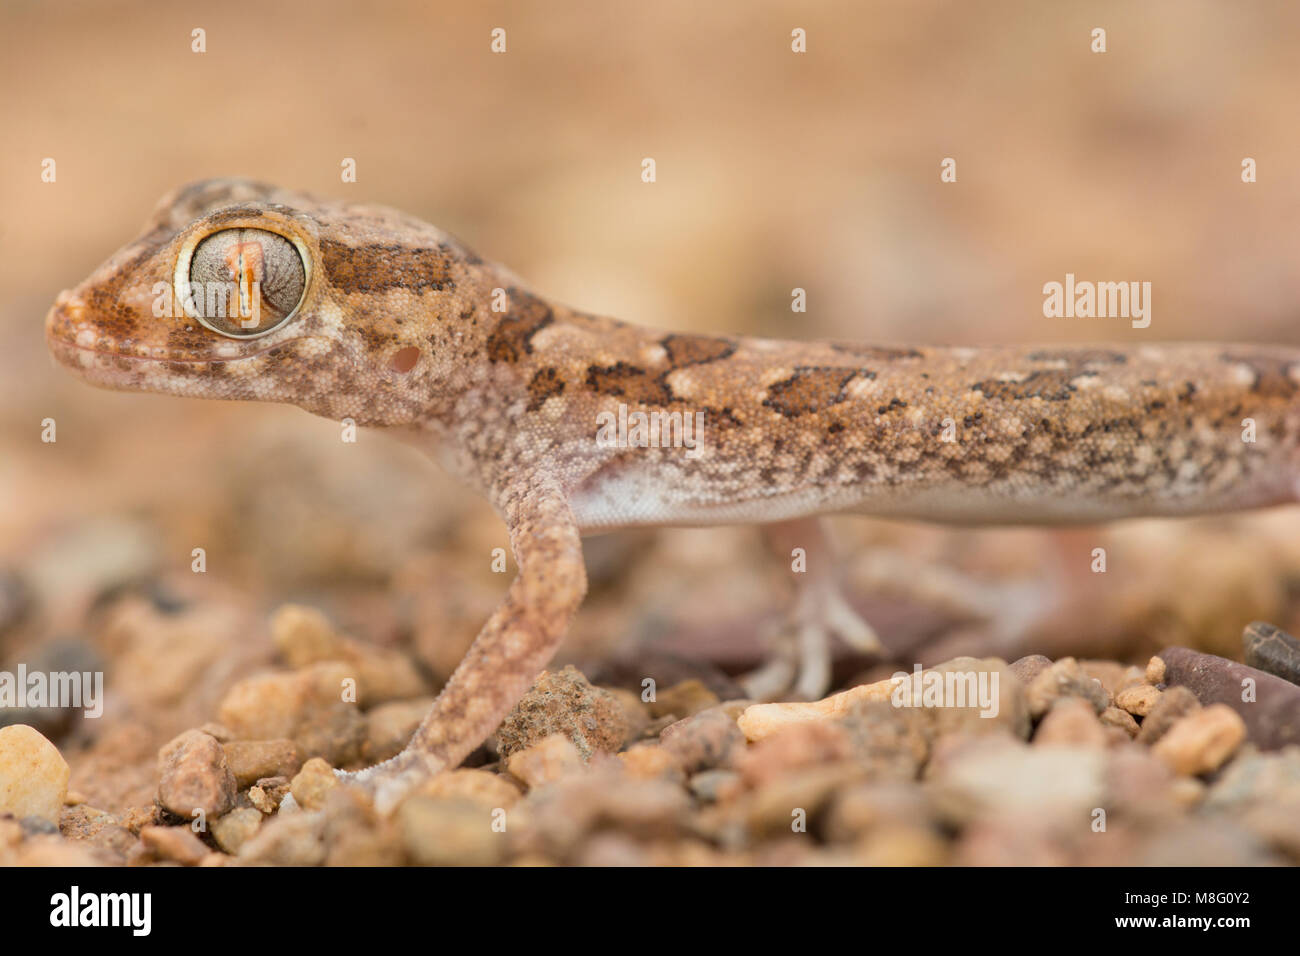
378,267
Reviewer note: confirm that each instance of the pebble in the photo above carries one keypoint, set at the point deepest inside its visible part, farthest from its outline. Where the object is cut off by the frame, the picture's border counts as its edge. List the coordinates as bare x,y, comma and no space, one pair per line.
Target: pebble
236,828
1002,841
984,777
251,760
389,727
52,851
1272,649
178,844
306,706
1121,719
546,761
1140,787
304,636
483,787
1027,668
1201,840
1200,742
709,739
294,840
1011,703
1065,678
194,775
648,761
1258,778
683,700
794,748
96,828
637,714
769,809
136,819
440,832
1138,699
33,774
760,721
1175,703
313,783
711,786
268,793
1155,673
1072,722
558,818
891,743
356,836
1277,826
1272,717
1113,675
565,703
865,807
902,846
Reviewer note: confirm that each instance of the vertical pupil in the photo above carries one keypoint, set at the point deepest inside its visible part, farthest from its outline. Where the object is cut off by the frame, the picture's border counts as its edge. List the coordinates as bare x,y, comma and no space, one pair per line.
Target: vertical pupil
246,281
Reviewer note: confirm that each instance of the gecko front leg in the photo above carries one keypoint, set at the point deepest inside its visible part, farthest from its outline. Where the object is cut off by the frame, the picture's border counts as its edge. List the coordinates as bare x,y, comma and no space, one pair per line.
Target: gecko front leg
510,651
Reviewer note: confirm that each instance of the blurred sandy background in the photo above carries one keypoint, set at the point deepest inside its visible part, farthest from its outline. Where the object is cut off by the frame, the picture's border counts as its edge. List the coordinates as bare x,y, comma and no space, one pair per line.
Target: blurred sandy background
775,170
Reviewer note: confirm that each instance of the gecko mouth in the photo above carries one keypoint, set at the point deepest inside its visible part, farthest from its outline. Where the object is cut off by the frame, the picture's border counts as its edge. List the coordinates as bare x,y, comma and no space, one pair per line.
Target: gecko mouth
76,343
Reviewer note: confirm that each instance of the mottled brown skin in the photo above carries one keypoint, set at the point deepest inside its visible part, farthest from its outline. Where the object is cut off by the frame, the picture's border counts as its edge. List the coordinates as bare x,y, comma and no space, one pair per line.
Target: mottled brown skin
397,329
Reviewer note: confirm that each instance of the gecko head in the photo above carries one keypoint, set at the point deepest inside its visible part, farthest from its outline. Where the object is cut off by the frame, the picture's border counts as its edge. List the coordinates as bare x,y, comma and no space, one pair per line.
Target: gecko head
240,290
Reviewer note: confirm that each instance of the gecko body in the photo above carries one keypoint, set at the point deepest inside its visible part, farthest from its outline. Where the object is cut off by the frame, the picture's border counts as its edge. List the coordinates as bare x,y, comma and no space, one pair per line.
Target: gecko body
372,315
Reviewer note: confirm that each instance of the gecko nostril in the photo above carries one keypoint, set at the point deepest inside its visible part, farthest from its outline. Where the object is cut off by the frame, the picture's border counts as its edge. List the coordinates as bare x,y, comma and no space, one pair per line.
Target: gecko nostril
404,359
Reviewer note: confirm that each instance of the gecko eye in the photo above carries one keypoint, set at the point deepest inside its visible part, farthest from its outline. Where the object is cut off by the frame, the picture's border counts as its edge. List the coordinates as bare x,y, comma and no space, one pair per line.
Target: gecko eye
244,282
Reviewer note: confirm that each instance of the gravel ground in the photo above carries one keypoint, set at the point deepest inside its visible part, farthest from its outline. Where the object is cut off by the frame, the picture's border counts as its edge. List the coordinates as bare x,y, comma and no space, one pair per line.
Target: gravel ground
1191,759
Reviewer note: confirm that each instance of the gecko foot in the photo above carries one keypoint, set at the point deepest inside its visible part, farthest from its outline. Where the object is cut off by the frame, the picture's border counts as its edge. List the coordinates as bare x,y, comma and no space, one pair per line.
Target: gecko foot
800,666
800,663
387,784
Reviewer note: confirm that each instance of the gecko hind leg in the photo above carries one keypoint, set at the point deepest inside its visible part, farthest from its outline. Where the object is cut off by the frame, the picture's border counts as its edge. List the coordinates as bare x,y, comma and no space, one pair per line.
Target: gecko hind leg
801,661
505,659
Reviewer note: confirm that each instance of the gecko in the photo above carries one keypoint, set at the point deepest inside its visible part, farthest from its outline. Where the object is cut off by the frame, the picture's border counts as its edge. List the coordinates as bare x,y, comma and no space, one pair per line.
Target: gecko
246,291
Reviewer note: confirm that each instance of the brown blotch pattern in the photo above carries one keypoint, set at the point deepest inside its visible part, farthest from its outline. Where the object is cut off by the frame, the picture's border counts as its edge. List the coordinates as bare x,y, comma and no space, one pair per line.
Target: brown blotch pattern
811,389
1051,386
1272,376
629,381
545,383
378,267
686,350
512,339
